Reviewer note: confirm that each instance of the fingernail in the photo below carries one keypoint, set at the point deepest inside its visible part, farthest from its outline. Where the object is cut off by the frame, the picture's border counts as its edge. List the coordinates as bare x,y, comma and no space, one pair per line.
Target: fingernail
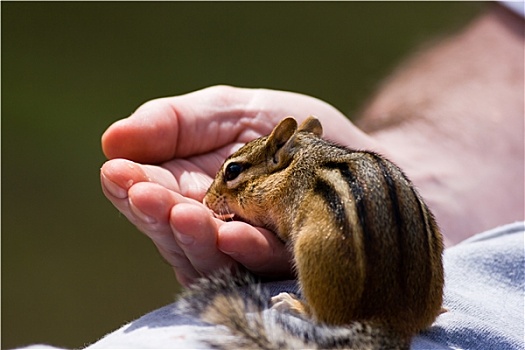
184,239
138,213
232,254
114,189
226,250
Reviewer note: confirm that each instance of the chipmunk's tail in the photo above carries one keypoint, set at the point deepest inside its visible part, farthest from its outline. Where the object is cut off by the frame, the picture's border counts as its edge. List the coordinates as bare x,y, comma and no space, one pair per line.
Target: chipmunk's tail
243,307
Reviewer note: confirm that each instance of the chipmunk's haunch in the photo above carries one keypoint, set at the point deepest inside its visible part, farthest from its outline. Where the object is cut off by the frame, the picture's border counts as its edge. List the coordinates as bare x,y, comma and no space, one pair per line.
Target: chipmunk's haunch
366,248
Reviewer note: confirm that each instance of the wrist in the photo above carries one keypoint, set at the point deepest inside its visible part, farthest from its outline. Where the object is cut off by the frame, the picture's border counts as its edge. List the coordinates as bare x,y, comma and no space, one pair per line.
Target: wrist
452,118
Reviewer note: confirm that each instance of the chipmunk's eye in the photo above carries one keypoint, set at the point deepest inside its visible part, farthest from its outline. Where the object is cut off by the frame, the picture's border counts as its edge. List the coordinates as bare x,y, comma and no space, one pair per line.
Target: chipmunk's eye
232,171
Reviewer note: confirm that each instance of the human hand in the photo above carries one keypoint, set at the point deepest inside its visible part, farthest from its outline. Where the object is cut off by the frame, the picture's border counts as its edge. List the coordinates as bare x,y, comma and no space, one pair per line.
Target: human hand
164,157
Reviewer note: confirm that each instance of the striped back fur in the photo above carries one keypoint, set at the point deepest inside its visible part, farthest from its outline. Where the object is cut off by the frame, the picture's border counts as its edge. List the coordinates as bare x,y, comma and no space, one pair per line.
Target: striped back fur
365,246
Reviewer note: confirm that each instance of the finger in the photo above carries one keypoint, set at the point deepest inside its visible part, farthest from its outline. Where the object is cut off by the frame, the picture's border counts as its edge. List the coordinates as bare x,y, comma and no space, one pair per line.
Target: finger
146,204
149,135
259,250
190,177
196,233
202,121
179,126
184,278
124,173
119,175
151,205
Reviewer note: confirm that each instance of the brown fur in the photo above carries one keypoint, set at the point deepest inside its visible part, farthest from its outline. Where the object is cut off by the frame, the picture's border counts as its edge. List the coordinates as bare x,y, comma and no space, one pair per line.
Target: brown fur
365,245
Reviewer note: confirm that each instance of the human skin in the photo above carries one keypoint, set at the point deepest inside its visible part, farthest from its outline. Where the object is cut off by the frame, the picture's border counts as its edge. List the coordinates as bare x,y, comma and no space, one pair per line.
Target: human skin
451,117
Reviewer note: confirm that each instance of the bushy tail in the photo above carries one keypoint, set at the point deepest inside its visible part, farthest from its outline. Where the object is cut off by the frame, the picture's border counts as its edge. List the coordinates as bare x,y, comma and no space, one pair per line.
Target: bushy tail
243,306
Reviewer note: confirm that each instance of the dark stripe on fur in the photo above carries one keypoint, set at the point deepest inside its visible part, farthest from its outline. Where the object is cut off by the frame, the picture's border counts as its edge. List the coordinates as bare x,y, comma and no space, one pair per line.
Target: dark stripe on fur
400,225
424,217
357,192
332,198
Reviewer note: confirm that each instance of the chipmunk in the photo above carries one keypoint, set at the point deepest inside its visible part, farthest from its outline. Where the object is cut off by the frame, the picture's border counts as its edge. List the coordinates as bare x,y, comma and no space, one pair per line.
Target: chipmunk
366,249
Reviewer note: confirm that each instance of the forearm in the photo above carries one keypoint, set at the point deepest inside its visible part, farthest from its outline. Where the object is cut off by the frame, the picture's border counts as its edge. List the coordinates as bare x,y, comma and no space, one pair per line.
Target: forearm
452,117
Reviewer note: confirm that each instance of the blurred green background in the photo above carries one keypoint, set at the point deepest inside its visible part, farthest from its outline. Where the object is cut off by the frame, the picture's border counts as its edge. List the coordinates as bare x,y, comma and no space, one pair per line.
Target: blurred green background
74,269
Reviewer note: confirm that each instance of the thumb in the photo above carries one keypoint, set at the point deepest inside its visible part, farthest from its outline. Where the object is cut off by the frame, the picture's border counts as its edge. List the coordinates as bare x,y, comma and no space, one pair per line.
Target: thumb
147,136
179,126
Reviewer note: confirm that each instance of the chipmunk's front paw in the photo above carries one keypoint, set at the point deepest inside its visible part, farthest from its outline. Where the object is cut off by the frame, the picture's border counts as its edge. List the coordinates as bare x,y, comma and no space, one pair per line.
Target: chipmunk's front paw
286,302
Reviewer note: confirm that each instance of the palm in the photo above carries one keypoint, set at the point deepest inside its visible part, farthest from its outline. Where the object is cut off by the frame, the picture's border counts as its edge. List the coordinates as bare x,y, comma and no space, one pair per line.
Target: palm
187,138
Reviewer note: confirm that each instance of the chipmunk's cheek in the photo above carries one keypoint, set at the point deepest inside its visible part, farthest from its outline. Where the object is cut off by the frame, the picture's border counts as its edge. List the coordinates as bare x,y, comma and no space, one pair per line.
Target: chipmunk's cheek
217,206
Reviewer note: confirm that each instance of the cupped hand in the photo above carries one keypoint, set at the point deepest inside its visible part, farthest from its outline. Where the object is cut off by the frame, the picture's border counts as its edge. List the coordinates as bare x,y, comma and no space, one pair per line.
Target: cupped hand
165,155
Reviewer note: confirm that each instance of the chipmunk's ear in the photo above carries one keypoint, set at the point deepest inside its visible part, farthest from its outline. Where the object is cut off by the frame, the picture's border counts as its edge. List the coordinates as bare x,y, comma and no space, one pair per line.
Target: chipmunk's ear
313,125
281,133
280,143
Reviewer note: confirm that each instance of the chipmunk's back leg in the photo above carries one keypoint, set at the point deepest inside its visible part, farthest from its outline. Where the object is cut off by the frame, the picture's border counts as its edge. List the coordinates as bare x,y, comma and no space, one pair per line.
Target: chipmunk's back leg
330,266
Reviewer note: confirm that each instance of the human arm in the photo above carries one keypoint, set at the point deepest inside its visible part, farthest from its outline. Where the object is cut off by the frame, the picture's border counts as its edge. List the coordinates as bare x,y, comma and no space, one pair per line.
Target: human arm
452,118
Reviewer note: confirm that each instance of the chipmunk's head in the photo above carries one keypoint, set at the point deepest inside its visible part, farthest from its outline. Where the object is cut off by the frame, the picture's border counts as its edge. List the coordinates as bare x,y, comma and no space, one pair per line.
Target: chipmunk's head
250,181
